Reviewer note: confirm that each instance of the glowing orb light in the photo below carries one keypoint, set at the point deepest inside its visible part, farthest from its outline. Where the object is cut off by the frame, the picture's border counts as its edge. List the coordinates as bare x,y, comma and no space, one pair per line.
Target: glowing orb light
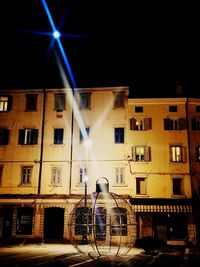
102,224
56,34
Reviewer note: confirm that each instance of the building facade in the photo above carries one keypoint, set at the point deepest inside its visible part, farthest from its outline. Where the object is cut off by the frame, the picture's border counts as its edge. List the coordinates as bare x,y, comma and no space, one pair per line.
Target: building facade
55,144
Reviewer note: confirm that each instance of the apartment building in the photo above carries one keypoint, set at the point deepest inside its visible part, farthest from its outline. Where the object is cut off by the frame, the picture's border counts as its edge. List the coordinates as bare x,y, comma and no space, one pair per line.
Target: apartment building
51,140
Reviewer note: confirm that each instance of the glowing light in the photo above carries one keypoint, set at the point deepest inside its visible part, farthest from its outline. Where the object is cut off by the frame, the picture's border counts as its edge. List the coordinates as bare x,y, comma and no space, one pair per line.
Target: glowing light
56,34
65,59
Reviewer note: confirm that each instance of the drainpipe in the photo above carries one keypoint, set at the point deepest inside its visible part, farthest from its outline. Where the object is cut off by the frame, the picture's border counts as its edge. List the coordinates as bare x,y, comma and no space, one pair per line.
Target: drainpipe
42,141
71,150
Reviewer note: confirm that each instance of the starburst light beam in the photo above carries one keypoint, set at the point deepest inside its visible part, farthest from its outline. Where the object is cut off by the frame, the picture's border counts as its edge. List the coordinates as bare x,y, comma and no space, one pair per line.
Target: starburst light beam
71,76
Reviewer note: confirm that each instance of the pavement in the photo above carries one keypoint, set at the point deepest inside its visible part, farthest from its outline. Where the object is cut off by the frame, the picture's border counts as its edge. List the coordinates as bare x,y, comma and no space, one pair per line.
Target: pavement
164,257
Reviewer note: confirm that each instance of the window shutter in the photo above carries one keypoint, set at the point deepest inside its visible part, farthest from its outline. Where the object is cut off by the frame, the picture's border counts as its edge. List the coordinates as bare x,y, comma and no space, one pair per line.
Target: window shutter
132,124
34,136
21,136
9,102
166,124
194,125
147,123
133,153
181,123
147,153
5,136
183,154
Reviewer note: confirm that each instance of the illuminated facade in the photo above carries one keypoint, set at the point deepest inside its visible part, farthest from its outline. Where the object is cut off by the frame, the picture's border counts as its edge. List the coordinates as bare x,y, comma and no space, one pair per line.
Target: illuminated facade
140,145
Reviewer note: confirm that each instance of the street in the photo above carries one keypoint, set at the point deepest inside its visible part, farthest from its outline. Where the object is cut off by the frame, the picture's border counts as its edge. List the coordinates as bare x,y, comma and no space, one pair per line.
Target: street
60,255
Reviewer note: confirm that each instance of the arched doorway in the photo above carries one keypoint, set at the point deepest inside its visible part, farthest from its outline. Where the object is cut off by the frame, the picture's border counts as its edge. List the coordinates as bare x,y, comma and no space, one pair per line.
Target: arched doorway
53,223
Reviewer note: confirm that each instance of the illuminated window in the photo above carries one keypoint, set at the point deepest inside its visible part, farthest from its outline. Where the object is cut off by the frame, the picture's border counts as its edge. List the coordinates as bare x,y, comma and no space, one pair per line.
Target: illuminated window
177,186
28,136
118,222
83,221
141,186
119,135
59,101
5,103
177,154
4,136
26,172
174,123
119,100
58,136
56,176
85,99
31,102
141,153
120,176
137,124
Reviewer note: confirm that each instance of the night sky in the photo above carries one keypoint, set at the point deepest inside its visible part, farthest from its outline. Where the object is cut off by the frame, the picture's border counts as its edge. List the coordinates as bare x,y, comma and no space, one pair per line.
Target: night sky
146,45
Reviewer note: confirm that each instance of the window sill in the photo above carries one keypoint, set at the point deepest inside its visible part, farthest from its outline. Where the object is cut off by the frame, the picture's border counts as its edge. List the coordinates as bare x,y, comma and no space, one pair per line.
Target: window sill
57,145
141,196
120,185
178,196
24,185
55,185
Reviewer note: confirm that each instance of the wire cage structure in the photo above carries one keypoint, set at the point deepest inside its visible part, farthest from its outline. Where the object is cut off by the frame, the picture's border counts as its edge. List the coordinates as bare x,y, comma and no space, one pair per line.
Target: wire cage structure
102,223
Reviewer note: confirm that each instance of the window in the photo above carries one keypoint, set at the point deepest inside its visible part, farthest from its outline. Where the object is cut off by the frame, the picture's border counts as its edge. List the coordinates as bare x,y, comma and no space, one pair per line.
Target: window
28,136
141,186
119,100
100,227
4,136
196,124
173,108
26,172
31,102
141,153
58,136
138,109
60,100
119,135
83,221
120,177
174,124
84,133
1,174
140,124
177,186
85,100
198,153
5,103
118,222
177,153
24,221
56,174
198,109
83,173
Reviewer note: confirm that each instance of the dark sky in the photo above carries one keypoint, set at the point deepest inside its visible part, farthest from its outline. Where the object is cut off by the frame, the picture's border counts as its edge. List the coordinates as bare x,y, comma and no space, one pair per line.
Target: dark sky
147,45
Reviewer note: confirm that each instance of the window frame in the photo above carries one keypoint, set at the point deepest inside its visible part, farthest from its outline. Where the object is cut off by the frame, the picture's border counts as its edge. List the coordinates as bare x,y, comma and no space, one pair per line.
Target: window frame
181,186
84,100
5,105
4,136
119,100
58,137
56,176
120,175
28,136
119,135
141,186
26,175
31,102
60,102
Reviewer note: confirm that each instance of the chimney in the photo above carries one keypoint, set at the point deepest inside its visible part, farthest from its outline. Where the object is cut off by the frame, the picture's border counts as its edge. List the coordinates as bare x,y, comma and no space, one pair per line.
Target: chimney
179,88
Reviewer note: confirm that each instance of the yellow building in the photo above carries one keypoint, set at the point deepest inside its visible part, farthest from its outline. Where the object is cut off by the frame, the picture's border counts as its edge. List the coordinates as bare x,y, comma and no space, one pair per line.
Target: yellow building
56,143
